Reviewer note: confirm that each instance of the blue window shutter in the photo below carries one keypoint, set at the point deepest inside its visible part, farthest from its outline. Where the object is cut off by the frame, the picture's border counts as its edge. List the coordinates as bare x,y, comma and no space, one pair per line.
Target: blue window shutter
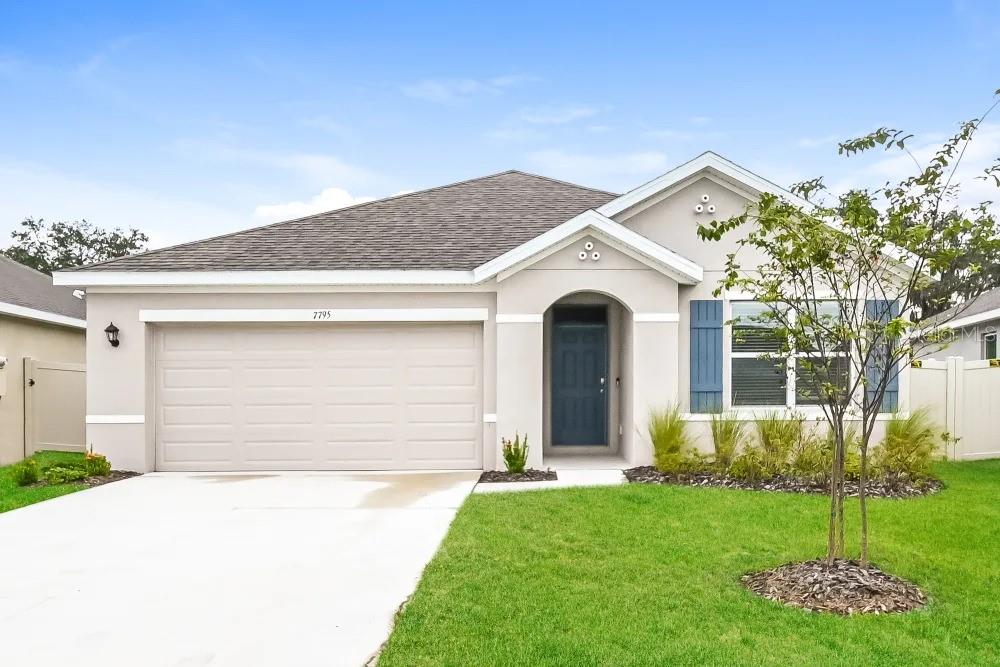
883,311
706,356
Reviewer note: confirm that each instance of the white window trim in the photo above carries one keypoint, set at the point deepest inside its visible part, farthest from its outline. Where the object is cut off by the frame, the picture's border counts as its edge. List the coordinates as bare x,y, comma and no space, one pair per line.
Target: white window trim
791,404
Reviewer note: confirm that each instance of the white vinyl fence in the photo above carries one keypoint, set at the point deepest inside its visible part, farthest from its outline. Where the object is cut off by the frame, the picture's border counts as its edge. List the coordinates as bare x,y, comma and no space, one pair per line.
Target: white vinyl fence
963,396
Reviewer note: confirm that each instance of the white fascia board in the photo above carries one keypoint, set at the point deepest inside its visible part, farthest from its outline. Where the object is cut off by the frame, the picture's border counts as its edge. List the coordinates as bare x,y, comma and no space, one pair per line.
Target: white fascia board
41,316
679,267
319,315
708,160
255,278
969,320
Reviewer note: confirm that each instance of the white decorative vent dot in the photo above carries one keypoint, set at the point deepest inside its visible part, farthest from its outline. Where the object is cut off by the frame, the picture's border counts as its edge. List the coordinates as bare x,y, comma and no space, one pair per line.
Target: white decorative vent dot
582,255
699,208
704,199
588,246
595,255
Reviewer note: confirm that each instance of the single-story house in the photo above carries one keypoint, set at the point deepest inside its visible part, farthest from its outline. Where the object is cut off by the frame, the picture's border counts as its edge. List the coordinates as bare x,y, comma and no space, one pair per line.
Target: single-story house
416,331
974,326
38,321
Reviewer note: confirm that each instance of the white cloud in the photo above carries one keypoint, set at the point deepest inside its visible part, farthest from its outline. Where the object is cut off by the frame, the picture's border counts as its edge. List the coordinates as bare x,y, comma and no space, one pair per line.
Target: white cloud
514,135
316,169
981,152
558,115
816,142
35,190
700,121
330,199
621,171
453,90
327,124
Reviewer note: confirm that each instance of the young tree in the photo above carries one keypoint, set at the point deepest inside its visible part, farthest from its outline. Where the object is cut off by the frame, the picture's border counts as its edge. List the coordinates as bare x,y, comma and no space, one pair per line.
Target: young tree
845,283
48,247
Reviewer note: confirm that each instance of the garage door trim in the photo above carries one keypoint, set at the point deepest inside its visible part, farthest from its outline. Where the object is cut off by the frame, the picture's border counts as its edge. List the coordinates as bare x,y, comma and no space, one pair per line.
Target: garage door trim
318,315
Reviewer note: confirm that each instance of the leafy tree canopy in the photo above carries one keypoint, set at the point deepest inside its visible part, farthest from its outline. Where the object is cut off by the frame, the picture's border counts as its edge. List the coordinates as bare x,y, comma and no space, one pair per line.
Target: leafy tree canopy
51,246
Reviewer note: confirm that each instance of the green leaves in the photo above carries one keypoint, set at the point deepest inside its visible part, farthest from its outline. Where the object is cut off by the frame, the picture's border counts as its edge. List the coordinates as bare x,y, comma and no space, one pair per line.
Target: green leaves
48,247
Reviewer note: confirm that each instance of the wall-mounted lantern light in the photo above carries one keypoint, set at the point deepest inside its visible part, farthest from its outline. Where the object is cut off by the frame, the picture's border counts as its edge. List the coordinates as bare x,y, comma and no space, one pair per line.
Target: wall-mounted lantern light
112,331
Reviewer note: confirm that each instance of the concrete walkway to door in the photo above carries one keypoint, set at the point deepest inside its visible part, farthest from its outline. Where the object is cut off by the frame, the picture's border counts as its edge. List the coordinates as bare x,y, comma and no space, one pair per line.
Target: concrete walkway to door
219,569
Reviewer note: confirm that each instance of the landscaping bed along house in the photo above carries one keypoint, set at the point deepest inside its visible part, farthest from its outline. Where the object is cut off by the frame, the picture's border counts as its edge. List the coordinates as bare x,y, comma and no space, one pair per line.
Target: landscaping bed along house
45,475
515,457
775,453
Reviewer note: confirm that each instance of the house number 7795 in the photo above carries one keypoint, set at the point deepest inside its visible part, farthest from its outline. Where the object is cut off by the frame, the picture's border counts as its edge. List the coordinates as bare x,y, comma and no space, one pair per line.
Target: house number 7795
322,314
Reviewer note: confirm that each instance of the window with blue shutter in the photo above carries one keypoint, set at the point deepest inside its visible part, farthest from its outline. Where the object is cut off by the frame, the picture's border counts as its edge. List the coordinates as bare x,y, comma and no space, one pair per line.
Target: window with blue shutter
882,311
706,356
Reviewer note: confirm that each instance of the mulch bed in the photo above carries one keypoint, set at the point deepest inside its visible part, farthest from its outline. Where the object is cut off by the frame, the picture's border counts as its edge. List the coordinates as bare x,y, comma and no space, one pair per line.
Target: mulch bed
897,487
115,476
529,475
842,588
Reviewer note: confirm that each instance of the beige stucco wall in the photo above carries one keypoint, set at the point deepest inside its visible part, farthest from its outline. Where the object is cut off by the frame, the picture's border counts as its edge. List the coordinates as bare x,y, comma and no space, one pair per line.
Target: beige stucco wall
651,346
20,338
119,382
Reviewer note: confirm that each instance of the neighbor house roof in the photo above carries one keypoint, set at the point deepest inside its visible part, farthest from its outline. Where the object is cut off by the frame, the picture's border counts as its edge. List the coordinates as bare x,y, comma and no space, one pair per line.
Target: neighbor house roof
983,308
454,227
27,293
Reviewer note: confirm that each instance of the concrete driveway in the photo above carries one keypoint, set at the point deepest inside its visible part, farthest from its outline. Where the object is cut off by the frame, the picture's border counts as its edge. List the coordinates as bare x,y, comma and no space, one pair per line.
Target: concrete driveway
219,569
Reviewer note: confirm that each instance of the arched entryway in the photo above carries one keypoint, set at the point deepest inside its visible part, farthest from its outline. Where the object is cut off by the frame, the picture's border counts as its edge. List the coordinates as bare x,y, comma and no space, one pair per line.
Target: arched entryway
587,347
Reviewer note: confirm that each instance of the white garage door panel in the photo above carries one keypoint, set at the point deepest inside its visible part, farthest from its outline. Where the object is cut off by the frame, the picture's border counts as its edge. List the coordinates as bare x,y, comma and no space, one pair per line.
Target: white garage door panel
318,397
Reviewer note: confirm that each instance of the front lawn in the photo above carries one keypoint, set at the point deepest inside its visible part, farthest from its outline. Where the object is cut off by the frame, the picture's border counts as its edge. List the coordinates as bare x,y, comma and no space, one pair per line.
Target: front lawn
13,496
649,575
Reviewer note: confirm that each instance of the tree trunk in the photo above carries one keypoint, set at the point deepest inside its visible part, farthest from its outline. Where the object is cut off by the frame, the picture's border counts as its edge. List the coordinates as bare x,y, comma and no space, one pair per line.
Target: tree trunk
842,458
863,500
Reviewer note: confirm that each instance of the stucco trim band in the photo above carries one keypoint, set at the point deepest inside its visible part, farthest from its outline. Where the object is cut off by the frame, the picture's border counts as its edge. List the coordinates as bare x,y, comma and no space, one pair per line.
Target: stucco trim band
319,315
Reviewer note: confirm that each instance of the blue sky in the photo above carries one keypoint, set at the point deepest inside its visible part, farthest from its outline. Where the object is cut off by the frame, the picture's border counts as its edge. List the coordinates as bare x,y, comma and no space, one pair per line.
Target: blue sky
188,119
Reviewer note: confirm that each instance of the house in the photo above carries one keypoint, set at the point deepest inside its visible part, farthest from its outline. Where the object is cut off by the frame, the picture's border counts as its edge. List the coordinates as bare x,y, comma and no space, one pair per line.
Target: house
974,327
38,321
415,332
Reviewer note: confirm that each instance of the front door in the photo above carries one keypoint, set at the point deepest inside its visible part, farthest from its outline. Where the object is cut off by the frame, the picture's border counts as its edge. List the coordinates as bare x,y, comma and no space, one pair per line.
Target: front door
579,378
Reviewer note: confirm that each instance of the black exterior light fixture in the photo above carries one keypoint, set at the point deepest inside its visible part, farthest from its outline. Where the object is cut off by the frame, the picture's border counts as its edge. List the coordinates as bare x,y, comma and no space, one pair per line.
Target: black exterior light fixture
112,331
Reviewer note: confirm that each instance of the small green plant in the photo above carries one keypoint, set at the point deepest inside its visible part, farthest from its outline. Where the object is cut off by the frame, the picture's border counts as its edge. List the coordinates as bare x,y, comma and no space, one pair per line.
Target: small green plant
25,472
812,457
751,465
671,441
778,436
96,465
909,446
515,453
62,474
727,433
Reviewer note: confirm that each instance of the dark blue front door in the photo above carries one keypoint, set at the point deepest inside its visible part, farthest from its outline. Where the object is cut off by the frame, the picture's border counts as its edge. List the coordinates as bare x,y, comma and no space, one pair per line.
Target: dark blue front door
579,383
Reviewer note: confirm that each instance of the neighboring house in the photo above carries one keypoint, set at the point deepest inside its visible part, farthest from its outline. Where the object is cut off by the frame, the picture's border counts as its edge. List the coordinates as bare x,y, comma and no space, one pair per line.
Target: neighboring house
42,322
974,328
416,331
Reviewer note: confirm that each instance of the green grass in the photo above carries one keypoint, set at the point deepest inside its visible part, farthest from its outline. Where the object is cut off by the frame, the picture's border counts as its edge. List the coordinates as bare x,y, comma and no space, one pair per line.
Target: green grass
13,496
647,575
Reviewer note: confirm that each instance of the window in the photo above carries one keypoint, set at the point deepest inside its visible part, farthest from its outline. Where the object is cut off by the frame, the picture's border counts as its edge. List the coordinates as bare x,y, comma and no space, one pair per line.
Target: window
990,345
756,381
765,382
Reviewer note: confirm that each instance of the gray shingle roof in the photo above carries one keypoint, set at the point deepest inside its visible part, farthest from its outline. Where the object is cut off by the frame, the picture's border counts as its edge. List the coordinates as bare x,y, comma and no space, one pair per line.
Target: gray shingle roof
453,227
23,286
986,301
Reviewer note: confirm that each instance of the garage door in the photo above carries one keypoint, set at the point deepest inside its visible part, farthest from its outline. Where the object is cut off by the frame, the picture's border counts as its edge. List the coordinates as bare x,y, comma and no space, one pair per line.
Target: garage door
318,397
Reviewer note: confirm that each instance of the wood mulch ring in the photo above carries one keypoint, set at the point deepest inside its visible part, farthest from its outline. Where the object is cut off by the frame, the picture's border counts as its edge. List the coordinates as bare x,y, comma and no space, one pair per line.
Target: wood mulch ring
844,588
897,487
529,475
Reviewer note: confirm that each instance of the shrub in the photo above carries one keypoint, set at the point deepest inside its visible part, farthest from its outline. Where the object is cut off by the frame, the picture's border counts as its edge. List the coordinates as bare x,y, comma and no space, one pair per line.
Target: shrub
61,474
909,446
727,433
751,465
25,472
671,441
778,437
812,457
515,453
96,465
